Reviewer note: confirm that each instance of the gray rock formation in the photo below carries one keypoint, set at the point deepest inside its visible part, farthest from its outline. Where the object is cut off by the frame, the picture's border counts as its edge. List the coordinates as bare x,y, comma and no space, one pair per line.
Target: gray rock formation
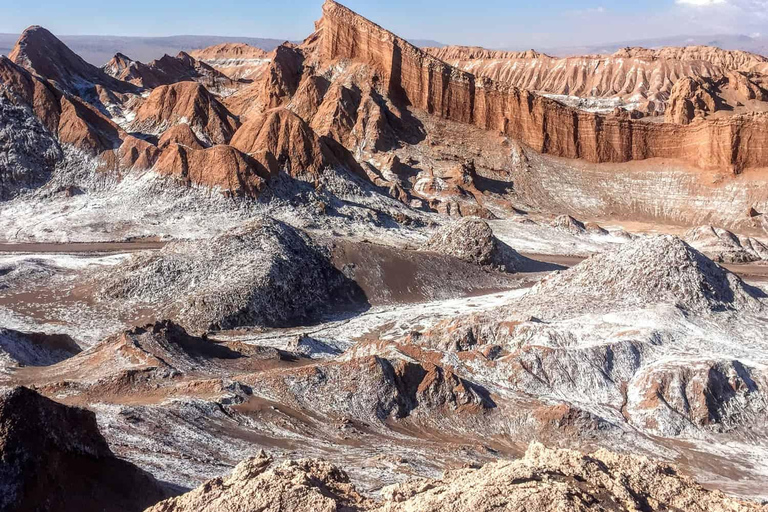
262,273
471,239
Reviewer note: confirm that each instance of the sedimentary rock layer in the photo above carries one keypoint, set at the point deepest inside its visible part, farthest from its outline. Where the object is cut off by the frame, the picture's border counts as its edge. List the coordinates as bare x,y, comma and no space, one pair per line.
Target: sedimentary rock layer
428,83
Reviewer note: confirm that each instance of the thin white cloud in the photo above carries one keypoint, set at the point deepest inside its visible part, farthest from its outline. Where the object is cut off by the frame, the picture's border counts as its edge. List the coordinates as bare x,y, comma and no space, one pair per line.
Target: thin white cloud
700,3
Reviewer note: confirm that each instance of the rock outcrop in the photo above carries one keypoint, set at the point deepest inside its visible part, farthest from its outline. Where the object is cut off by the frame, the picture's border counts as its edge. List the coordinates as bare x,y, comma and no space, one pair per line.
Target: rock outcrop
724,246
238,61
472,239
41,52
53,458
264,273
261,484
543,480
699,97
376,390
429,84
634,78
281,140
653,270
219,167
167,70
186,103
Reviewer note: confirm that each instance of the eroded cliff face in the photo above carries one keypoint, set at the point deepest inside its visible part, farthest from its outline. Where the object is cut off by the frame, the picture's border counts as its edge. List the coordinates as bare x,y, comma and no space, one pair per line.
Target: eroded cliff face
636,78
428,83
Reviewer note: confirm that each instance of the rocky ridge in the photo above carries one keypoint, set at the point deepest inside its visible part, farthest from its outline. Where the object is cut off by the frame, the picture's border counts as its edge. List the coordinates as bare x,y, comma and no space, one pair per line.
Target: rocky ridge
427,83
262,273
54,458
543,480
637,78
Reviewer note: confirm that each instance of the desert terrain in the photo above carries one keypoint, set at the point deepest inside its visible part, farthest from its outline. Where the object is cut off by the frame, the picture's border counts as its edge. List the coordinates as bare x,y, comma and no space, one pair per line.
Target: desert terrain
356,274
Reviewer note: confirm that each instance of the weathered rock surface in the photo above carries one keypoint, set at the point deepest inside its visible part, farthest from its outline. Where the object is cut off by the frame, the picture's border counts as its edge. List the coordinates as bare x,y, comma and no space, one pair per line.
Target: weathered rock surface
28,151
429,84
41,52
261,484
219,167
186,103
282,141
263,273
236,60
701,96
166,71
472,239
53,458
543,480
637,78
375,390
561,480
724,246
658,269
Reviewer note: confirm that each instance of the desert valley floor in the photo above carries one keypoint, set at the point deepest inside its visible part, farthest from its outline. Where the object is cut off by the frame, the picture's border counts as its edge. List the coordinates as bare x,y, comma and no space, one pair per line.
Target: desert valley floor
354,274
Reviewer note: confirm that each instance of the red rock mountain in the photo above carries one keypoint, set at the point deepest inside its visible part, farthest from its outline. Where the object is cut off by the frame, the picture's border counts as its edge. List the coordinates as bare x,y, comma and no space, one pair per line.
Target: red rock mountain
40,51
186,103
353,90
235,60
165,71
429,84
640,77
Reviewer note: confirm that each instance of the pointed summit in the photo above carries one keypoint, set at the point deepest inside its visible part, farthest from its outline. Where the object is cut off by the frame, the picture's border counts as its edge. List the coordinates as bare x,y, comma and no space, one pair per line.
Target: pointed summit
44,54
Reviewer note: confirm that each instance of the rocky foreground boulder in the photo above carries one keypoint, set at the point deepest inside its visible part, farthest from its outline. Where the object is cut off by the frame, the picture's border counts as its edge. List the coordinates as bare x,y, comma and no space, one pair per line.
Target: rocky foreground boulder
53,458
543,480
471,239
264,273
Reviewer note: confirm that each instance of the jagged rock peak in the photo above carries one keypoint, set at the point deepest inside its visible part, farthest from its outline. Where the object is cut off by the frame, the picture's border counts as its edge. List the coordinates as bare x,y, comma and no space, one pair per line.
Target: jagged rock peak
43,53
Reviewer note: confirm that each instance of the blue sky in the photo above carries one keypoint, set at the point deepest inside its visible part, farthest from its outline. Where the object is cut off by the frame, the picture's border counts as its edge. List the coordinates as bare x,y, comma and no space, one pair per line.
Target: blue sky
492,23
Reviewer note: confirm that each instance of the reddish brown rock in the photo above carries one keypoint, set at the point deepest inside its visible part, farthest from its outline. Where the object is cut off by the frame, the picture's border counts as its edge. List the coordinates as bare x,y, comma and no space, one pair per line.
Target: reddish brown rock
180,134
31,91
186,103
167,70
546,126
624,75
220,166
41,52
281,140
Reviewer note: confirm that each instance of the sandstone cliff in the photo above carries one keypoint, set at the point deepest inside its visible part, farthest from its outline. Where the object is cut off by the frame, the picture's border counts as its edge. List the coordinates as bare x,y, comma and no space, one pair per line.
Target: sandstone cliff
236,60
638,77
427,83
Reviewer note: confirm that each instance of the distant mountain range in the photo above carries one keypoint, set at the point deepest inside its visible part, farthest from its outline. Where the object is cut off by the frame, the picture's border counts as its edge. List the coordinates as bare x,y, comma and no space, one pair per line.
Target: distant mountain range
98,50
756,44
